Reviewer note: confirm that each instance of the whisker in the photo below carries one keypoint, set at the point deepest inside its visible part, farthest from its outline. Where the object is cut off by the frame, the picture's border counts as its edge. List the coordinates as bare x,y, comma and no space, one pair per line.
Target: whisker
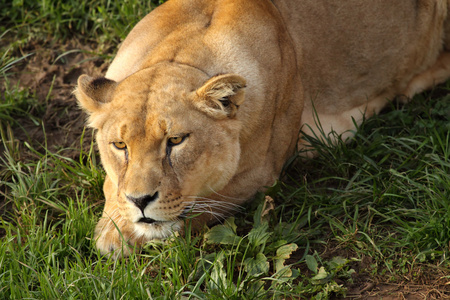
217,209
222,196
214,206
217,204
211,201
206,208
209,212
226,197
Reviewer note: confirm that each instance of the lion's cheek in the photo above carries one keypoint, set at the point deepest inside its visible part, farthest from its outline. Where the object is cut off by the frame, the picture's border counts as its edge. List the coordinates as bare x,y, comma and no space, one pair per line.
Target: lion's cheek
111,163
212,171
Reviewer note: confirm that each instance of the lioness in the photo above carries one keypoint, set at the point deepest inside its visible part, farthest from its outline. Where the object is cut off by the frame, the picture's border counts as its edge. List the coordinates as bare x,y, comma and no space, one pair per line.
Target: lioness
205,99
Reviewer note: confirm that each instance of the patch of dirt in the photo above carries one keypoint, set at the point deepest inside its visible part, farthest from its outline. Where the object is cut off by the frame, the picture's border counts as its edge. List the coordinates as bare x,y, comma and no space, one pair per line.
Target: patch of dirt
51,72
428,282
400,291
367,288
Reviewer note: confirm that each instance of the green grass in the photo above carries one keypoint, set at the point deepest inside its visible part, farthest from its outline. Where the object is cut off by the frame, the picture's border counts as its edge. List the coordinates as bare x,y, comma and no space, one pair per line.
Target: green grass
104,19
384,195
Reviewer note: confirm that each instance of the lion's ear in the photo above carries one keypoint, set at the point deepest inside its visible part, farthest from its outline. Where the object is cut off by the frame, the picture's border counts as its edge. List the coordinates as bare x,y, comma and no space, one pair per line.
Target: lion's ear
92,93
221,96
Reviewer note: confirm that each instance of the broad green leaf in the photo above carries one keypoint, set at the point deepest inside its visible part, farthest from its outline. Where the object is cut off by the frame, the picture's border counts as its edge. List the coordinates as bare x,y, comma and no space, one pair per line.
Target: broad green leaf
218,276
283,253
259,235
312,264
230,222
338,262
281,269
277,244
286,250
222,234
321,276
256,265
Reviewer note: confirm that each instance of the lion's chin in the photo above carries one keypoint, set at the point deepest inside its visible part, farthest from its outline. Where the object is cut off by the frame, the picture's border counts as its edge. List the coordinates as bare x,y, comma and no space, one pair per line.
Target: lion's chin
157,229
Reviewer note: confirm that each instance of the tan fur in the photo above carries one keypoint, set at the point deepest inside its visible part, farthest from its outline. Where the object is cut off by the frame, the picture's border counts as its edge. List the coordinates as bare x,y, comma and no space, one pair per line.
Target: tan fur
236,81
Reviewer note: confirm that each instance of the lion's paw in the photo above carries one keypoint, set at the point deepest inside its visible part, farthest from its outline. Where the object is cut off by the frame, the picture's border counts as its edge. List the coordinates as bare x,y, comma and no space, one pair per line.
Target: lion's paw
115,239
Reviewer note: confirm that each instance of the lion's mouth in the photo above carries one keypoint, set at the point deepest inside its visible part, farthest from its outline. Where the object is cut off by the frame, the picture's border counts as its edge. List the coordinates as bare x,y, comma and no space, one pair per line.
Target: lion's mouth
147,220
153,221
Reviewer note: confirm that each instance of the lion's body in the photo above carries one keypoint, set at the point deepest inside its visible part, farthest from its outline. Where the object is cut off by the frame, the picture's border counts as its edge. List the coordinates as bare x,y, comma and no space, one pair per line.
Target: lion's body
191,142
356,55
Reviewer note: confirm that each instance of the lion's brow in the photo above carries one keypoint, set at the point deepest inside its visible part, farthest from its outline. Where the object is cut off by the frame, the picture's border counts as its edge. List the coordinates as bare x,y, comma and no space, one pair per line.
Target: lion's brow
156,127
123,130
163,125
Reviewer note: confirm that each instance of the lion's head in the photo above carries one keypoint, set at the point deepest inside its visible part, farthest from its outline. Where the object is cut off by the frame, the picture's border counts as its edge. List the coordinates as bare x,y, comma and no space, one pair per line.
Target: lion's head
168,137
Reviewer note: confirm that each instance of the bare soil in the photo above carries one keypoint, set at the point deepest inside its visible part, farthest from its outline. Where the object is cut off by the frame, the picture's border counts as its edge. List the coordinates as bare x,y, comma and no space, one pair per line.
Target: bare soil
52,71
428,282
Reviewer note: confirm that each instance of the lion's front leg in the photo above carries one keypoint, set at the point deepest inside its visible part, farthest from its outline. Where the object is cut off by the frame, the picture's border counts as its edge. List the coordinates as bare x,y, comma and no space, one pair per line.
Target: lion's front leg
114,234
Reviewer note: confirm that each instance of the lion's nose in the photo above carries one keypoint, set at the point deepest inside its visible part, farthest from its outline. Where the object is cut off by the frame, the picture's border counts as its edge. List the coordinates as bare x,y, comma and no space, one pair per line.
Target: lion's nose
142,202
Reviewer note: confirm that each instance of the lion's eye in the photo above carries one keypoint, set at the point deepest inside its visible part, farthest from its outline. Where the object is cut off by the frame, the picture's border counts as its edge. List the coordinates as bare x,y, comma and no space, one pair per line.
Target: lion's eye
176,140
120,145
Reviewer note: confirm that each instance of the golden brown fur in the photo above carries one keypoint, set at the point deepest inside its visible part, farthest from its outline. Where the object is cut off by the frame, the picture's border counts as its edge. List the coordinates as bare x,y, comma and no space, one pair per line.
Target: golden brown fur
205,99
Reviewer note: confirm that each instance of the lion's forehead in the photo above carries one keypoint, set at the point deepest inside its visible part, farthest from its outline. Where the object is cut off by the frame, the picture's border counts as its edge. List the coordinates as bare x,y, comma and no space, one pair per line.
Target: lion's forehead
152,124
148,101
